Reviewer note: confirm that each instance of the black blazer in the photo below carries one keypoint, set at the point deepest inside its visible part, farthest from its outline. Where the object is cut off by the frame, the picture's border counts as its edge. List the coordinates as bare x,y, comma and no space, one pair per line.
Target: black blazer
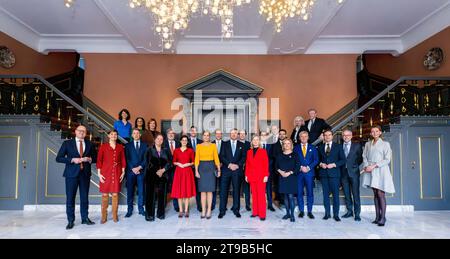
336,156
155,162
354,159
226,155
189,145
221,146
316,129
68,151
297,140
247,145
166,143
277,149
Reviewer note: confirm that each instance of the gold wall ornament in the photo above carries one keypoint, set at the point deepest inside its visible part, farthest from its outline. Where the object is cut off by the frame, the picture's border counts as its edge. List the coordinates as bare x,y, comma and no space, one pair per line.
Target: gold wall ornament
13,100
381,115
7,57
433,58
392,107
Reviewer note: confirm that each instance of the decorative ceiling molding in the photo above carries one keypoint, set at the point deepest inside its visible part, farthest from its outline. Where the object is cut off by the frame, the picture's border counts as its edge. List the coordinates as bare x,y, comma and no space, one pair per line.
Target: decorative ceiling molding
291,42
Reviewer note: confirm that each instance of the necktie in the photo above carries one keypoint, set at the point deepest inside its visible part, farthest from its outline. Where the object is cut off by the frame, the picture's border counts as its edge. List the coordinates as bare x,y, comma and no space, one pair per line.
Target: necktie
218,146
171,147
81,153
194,144
327,151
233,147
346,150
264,145
304,150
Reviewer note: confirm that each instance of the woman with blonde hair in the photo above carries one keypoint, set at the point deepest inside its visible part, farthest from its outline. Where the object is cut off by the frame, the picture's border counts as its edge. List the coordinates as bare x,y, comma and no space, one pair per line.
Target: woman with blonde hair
206,165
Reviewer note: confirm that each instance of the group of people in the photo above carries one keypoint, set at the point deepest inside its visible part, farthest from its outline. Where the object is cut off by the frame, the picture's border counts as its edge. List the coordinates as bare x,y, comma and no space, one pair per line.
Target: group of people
187,167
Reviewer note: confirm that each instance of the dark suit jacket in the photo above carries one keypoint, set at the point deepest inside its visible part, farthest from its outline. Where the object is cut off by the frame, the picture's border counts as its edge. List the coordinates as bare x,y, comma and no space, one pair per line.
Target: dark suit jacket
247,145
221,146
336,156
297,140
277,149
134,157
311,159
226,155
199,141
155,162
166,143
354,159
68,151
269,155
316,129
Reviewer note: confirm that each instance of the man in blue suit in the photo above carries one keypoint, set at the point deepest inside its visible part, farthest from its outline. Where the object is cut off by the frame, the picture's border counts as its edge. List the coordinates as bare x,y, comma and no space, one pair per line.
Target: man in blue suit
332,157
78,154
268,147
246,185
309,158
350,175
232,159
218,142
136,161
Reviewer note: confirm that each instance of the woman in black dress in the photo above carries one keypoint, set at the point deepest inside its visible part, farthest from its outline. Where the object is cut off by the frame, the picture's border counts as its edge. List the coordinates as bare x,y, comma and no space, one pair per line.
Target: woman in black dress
159,162
288,167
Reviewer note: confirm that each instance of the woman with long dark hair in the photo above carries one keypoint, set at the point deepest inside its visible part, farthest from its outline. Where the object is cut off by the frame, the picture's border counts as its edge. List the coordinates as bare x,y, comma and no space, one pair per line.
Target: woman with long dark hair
123,124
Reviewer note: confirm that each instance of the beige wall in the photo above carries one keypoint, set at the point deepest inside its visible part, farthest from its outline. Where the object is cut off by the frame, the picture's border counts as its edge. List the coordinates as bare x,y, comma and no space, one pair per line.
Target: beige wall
29,61
410,63
146,84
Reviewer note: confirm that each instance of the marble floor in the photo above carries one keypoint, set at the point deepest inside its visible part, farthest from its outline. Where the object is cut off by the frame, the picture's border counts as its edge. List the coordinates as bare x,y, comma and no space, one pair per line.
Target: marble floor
51,224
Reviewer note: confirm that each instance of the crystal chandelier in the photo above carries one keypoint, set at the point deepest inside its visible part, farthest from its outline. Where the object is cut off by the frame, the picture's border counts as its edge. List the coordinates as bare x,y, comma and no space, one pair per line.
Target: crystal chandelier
69,3
280,10
224,10
170,16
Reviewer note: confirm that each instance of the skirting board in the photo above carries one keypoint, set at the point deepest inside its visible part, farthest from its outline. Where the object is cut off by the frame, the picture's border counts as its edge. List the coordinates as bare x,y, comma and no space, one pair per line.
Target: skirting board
123,208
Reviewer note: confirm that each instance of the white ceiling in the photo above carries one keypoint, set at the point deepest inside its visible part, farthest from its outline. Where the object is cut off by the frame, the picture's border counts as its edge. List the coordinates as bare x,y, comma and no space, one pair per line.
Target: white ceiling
110,26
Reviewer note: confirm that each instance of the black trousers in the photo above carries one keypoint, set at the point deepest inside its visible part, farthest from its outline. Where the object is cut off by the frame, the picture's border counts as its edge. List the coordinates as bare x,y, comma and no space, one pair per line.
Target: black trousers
234,178
350,185
156,191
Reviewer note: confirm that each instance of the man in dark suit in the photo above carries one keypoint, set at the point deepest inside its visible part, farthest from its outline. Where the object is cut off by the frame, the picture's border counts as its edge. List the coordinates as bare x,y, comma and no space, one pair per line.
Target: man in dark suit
350,175
232,159
193,142
171,144
218,141
136,161
332,157
245,185
315,126
277,149
78,154
268,147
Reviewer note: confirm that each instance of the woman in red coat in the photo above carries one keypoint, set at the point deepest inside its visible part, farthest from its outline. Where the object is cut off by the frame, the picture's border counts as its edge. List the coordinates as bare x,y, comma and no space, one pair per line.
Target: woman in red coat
111,165
256,174
183,186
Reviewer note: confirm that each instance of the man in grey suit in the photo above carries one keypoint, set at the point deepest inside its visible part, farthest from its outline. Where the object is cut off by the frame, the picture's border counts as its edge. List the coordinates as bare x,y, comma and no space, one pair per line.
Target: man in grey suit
350,175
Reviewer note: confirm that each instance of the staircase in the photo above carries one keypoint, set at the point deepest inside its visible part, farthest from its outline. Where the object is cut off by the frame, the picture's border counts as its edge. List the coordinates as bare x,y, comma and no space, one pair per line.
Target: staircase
54,110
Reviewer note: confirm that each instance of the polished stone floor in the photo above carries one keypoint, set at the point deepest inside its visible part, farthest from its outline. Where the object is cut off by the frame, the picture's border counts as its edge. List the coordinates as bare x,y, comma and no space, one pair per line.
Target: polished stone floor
51,224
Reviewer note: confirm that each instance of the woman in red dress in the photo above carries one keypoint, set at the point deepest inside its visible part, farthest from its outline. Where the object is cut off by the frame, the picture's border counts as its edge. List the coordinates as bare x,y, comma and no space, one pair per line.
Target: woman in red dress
111,170
183,186
256,174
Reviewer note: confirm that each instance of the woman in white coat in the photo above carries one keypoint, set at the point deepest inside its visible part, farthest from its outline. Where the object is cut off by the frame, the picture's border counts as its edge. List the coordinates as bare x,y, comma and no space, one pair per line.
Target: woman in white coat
377,175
